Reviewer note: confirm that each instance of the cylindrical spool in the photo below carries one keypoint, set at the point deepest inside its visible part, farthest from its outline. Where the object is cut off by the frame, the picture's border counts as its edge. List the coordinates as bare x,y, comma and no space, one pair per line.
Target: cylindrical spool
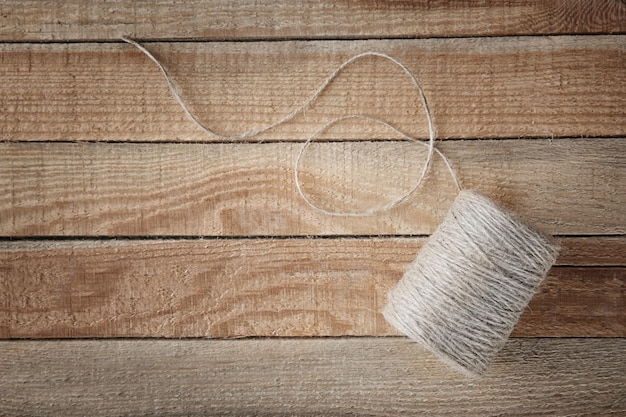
469,284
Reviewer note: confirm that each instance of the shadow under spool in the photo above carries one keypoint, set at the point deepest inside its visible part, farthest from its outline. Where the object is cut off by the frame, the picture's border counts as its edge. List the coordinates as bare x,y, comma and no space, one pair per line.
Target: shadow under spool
466,290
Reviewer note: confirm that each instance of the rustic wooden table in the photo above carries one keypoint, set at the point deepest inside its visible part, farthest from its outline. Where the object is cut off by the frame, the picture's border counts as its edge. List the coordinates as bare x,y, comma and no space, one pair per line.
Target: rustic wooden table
133,245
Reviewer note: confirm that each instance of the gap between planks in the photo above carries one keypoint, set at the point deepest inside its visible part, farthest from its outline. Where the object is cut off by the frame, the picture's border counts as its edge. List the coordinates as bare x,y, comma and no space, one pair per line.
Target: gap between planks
577,251
63,20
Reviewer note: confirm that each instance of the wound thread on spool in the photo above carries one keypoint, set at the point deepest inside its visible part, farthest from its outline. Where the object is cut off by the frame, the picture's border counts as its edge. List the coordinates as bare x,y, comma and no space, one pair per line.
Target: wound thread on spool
468,286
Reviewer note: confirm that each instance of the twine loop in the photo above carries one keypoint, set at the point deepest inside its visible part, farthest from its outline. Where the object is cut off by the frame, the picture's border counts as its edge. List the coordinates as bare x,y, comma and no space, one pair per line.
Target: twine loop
384,207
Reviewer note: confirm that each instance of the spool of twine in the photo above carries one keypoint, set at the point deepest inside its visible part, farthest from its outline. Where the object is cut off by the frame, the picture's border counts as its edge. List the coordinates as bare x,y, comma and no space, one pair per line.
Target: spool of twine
463,294
470,283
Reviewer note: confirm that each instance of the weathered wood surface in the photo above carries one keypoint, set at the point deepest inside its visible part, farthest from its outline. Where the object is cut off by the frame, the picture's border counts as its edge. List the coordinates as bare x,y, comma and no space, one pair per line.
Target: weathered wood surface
486,87
32,20
64,275
569,186
303,377
266,287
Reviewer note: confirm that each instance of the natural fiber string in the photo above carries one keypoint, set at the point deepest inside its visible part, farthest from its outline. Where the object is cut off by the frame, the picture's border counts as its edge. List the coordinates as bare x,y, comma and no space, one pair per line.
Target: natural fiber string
475,275
463,294
254,132
402,198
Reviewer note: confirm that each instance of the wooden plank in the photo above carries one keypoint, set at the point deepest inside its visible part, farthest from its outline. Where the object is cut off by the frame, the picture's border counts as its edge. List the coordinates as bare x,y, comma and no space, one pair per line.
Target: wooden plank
325,377
592,251
604,251
489,87
570,186
31,20
261,287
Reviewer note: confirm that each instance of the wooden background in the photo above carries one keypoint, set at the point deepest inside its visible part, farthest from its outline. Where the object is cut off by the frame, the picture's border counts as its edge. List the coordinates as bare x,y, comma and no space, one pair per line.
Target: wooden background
133,245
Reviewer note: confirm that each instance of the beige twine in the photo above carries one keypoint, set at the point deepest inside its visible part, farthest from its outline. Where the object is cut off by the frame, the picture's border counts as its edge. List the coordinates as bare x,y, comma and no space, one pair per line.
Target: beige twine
470,283
300,109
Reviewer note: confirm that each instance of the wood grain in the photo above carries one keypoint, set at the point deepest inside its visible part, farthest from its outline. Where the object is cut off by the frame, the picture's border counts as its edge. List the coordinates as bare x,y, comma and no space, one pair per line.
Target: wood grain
477,88
303,377
264,287
149,228
569,186
31,20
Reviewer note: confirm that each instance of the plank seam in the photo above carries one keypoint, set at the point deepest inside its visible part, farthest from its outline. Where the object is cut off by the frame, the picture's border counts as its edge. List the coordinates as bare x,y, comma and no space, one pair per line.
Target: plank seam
275,338
296,141
5,238
309,39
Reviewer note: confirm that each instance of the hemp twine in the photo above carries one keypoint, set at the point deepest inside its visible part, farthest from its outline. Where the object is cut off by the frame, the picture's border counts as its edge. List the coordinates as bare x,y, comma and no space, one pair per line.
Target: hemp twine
468,286
470,283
